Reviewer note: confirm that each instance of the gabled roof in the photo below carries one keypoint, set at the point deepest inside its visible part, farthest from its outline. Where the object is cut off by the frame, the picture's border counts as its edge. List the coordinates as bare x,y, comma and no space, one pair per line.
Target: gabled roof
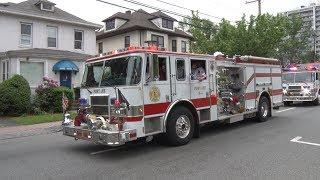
30,8
160,14
140,20
44,53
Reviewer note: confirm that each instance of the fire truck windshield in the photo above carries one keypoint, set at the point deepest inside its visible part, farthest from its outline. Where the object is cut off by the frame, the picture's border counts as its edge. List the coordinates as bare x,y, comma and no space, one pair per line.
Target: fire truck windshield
113,72
297,77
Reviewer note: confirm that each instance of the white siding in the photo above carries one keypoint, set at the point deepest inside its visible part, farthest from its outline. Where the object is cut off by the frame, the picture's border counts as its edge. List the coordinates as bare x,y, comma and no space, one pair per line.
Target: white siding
158,22
119,22
117,42
10,35
178,39
48,64
165,37
138,38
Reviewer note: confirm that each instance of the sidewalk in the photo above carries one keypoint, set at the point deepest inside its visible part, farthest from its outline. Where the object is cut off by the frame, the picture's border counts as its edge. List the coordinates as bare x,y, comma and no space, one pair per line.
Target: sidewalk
7,122
29,130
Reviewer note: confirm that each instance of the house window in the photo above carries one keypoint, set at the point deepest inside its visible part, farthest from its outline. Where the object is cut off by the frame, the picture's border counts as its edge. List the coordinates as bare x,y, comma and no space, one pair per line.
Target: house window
174,45
47,7
52,33
32,72
5,70
26,34
183,46
126,41
159,40
110,24
78,39
167,24
100,48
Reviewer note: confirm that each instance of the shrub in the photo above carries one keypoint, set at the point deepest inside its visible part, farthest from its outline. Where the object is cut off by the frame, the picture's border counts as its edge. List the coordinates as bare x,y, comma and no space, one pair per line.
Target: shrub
49,96
15,96
46,84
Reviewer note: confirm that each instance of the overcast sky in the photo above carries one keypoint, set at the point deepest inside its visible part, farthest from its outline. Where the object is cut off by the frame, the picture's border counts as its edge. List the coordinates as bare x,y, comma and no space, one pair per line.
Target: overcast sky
94,11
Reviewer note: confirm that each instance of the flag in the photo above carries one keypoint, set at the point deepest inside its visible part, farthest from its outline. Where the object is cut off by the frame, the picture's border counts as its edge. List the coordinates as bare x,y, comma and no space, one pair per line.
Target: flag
65,102
122,99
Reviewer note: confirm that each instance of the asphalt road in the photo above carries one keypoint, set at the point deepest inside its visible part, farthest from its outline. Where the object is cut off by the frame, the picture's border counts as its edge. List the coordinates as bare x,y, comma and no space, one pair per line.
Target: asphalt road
245,150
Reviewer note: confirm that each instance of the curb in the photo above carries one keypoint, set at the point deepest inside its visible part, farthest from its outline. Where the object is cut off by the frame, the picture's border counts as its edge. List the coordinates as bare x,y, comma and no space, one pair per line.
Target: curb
13,133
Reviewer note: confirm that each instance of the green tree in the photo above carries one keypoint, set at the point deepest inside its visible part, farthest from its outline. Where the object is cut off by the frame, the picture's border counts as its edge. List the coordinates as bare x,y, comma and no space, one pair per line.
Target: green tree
225,38
203,32
294,46
265,35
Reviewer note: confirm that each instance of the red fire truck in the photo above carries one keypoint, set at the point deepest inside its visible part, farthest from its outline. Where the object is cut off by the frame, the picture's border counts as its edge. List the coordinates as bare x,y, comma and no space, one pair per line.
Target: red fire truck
140,92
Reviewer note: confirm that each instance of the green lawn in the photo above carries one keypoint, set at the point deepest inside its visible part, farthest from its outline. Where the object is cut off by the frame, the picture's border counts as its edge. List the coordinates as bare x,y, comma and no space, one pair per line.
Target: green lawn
36,119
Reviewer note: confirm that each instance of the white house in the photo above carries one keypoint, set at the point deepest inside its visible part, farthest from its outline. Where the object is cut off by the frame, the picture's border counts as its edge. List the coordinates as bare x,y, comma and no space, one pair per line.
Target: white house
38,39
140,28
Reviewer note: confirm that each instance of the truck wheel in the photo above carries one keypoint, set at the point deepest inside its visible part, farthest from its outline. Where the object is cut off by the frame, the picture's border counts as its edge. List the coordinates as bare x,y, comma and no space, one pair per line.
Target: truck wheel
288,103
263,109
316,102
180,127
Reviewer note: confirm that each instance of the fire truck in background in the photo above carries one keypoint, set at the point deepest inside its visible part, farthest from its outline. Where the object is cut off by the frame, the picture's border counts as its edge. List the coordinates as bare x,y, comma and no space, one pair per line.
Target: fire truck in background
301,83
140,92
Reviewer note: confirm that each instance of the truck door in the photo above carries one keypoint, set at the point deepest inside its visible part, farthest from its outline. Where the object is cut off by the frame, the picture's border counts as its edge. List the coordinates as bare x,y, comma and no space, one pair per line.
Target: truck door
199,87
180,88
156,86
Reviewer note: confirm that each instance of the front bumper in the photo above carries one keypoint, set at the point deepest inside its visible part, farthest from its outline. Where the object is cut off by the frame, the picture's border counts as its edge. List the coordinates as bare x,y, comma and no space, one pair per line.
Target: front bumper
105,137
299,98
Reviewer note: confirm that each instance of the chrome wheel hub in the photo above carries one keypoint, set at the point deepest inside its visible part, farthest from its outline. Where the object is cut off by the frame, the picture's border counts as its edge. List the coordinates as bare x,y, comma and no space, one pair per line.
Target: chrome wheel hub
183,126
264,109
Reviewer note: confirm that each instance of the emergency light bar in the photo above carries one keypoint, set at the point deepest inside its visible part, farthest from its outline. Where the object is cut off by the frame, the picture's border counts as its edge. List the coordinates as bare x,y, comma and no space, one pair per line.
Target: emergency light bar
130,48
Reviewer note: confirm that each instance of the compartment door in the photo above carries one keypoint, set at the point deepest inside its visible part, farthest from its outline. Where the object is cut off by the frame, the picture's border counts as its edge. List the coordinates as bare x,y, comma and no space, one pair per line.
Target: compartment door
250,93
276,85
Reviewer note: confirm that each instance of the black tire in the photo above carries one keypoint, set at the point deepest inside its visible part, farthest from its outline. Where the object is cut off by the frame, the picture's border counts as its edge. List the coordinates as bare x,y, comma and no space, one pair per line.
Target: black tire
171,136
316,102
288,103
263,109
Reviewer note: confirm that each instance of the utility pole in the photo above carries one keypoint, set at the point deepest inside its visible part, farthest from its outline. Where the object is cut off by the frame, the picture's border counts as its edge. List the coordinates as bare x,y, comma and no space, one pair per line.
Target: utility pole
259,5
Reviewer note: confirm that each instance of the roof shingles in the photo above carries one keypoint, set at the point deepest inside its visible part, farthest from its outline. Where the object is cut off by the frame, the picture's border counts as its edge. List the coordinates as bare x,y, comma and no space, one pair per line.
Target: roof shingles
140,20
29,8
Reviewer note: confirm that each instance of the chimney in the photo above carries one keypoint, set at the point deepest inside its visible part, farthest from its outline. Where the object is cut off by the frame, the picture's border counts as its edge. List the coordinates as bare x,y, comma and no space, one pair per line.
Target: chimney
128,12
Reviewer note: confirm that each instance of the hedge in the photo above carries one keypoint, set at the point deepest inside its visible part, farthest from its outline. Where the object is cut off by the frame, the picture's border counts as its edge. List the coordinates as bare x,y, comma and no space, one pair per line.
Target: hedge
50,100
15,96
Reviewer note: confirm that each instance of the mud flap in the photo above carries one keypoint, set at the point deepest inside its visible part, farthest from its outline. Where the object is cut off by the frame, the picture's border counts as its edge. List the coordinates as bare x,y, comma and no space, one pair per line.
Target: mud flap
196,133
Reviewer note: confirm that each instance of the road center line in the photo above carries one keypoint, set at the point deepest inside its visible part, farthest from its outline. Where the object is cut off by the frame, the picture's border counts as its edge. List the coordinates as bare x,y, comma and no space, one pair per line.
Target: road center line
297,140
285,110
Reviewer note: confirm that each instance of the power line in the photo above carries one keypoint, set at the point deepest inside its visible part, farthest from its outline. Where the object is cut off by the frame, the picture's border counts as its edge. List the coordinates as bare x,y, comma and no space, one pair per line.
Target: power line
181,7
159,9
124,7
155,8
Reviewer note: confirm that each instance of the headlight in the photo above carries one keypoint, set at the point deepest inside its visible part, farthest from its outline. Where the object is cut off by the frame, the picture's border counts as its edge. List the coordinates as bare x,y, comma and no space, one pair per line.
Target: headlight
306,91
284,91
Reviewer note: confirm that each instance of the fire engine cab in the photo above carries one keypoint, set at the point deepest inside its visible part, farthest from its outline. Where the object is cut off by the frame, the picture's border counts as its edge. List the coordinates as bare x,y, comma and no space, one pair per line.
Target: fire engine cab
301,83
141,92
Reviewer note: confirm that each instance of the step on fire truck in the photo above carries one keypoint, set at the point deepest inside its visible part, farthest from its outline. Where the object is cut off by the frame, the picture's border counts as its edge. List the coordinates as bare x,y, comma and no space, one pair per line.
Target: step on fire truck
301,83
141,92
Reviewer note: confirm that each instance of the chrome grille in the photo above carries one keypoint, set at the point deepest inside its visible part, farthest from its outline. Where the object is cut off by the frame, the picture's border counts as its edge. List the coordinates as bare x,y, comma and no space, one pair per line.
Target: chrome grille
100,105
294,87
99,100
